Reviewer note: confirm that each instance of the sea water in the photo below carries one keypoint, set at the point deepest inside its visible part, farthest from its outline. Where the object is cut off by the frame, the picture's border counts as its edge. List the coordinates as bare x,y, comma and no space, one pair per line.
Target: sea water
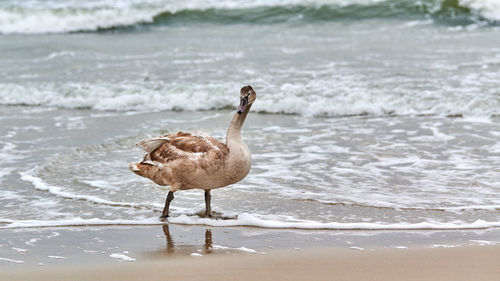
369,115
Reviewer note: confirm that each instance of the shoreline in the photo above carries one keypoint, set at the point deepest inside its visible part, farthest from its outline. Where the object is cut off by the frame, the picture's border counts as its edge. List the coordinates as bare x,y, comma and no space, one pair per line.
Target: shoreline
56,251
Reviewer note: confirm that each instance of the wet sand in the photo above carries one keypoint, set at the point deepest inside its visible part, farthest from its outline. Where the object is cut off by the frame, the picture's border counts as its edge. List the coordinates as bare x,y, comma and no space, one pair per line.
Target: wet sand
176,252
464,263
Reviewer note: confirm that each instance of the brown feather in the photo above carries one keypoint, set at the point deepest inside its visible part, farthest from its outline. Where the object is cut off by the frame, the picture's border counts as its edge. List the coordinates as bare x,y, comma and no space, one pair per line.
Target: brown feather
184,145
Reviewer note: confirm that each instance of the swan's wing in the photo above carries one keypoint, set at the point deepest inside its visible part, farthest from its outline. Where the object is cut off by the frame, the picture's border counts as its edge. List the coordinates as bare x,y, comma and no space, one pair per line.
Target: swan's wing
198,142
183,145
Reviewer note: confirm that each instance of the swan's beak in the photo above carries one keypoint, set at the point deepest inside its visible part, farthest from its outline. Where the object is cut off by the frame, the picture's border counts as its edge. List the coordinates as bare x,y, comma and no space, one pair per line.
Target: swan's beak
243,105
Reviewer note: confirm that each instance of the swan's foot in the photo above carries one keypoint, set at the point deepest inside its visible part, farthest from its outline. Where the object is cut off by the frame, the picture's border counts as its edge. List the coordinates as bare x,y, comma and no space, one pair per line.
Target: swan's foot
203,214
212,215
215,216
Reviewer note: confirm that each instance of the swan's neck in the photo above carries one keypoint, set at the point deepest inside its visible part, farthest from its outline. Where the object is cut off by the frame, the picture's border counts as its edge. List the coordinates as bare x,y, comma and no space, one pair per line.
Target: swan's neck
233,136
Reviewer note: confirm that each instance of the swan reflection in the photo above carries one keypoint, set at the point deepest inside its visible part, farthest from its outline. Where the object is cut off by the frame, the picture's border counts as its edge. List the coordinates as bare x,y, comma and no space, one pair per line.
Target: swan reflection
187,249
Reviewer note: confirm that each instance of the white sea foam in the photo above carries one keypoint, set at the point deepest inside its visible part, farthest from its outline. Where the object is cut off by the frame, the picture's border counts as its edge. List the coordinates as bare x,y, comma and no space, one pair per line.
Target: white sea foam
38,183
122,256
8,153
383,203
10,260
246,219
49,17
444,246
485,242
78,222
20,250
125,96
245,249
489,9
32,241
418,22
54,234
254,220
57,257
101,184
344,97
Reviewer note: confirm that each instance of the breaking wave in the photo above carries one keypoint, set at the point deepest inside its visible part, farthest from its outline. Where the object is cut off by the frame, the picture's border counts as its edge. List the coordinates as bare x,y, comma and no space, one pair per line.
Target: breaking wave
309,100
36,16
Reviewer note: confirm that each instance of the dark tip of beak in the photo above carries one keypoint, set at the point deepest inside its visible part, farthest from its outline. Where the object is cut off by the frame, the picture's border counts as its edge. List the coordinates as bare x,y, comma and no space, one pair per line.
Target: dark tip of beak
243,105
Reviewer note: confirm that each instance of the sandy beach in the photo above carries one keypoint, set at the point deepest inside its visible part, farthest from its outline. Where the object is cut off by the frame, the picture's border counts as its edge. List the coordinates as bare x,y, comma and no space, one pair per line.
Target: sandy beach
467,263
176,252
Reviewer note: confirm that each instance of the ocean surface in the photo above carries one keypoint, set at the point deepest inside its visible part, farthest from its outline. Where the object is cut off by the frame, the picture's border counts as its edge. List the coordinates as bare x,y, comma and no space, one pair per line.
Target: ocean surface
371,114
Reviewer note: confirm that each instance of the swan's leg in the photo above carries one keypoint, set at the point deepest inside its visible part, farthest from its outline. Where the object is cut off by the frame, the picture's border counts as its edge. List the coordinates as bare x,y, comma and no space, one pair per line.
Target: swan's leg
208,210
170,197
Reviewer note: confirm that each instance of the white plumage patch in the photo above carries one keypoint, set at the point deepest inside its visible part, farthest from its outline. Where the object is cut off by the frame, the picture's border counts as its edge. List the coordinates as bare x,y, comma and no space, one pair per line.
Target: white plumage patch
134,168
152,144
154,163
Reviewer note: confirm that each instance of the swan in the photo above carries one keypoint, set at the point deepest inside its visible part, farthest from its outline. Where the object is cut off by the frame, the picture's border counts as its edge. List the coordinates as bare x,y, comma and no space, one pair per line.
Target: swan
187,161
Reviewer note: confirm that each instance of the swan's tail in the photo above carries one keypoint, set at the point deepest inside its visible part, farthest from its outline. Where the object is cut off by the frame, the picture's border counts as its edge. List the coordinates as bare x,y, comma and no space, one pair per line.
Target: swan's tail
134,167
152,170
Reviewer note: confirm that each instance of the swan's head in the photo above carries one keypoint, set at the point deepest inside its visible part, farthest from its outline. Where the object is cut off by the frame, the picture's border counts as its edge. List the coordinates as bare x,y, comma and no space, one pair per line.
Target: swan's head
247,97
